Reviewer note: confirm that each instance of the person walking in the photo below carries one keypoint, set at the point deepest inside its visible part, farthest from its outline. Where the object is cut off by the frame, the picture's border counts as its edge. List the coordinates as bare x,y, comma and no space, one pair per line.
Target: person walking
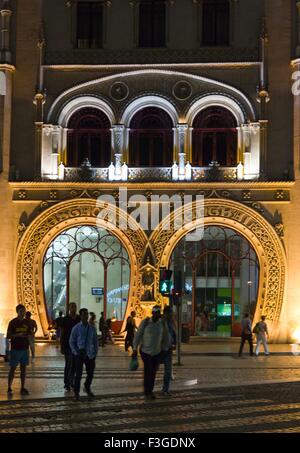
261,336
67,324
151,337
130,330
169,346
102,329
246,334
33,328
84,346
18,333
92,319
57,324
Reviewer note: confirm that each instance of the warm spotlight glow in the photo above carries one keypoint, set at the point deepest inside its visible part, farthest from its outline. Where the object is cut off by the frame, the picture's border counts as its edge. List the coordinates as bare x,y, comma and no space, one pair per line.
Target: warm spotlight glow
296,335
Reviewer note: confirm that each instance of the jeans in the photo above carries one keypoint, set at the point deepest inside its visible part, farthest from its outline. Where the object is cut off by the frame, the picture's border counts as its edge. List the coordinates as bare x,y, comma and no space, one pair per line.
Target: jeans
89,366
261,338
69,368
151,364
129,341
167,361
246,337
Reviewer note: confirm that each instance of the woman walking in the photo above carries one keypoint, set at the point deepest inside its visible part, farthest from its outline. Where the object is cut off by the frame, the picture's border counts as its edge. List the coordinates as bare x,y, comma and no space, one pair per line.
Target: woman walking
261,336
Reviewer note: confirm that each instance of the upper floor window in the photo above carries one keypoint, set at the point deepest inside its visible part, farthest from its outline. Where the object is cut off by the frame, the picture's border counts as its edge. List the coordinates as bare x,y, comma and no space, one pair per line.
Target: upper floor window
151,139
89,137
214,137
89,25
215,25
152,23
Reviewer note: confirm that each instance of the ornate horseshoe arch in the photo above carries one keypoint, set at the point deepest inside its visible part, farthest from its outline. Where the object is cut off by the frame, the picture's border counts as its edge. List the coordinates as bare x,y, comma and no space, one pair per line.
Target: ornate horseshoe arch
251,225
48,225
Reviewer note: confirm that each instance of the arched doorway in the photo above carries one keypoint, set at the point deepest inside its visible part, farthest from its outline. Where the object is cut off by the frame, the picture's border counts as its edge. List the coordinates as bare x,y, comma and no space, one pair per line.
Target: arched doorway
89,266
220,277
151,138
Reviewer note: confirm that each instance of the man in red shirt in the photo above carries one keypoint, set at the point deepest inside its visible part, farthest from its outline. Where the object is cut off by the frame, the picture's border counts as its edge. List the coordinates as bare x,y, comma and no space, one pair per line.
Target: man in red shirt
18,333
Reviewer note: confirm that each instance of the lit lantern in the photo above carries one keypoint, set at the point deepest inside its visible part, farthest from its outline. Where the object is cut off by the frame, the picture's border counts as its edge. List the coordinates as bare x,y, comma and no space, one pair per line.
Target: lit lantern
61,172
188,172
111,172
124,172
240,171
175,172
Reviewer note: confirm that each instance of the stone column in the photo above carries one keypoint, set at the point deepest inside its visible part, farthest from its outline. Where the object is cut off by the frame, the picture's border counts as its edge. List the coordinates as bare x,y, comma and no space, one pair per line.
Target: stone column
117,140
55,151
6,14
118,167
246,145
39,101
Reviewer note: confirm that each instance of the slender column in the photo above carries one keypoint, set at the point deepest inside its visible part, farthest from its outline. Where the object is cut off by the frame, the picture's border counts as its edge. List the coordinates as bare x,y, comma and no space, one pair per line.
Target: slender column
182,130
118,167
6,14
246,141
39,101
55,151
117,139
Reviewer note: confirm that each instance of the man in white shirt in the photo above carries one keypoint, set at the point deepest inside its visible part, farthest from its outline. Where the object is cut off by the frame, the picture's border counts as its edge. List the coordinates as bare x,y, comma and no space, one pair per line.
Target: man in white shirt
152,336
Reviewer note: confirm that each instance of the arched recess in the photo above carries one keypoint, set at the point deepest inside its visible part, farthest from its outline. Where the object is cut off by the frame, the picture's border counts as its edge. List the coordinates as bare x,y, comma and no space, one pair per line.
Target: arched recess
250,224
48,225
149,101
218,100
81,102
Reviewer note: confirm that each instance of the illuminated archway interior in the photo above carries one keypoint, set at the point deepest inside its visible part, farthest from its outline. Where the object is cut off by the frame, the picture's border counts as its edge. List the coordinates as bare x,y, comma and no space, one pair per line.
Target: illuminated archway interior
89,266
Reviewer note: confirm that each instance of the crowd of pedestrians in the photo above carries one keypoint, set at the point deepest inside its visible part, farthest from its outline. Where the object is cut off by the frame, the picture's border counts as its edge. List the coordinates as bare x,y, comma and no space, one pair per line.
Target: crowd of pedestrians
154,339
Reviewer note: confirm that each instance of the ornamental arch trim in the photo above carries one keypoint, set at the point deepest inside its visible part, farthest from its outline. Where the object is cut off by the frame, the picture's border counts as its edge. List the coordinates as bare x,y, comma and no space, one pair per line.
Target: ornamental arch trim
261,235
48,225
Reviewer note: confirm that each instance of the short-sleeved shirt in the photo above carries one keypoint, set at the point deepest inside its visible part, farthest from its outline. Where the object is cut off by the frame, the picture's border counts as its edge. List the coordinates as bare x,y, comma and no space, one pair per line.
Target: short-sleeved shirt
32,325
16,326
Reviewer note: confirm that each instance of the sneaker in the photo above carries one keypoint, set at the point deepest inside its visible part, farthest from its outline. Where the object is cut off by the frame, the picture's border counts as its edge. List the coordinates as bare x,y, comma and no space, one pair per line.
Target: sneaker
24,391
166,394
67,388
32,359
150,397
9,391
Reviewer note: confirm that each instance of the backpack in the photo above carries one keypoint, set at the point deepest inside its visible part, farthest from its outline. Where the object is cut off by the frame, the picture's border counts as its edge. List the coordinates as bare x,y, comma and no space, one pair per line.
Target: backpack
256,328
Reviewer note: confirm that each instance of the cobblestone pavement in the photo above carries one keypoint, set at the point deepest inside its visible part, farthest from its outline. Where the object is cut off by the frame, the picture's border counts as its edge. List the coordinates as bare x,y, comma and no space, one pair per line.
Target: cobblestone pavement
264,408
210,394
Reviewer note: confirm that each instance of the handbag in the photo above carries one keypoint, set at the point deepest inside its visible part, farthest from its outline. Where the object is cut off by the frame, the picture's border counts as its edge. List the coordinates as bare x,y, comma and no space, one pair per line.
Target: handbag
133,364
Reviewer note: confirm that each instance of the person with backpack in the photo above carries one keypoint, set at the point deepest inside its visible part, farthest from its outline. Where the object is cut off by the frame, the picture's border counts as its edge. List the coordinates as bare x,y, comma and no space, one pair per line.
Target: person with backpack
151,337
261,331
246,334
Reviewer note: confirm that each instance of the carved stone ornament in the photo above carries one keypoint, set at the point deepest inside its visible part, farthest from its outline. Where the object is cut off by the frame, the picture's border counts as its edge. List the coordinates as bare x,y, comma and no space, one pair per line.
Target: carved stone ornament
119,91
279,228
182,90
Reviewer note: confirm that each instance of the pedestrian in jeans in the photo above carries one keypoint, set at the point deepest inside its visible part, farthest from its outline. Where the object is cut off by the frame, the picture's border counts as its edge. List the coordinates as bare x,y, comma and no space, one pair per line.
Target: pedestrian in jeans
167,354
66,325
246,334
84,346
151,337
130,330
261,336
18,333
102,329
33,328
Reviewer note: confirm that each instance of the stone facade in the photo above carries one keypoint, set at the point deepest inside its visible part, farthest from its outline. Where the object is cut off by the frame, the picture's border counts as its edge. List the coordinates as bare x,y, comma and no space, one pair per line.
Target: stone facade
48,79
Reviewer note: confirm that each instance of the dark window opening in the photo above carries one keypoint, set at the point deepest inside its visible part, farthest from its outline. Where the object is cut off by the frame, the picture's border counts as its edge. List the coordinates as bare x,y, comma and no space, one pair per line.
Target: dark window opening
89,137
152,24
214,137
215,23
89,25
151,139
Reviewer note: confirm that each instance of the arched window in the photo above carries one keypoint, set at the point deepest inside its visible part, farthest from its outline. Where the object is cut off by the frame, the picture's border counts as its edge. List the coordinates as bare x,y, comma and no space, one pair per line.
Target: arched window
89,137
214,137
151,139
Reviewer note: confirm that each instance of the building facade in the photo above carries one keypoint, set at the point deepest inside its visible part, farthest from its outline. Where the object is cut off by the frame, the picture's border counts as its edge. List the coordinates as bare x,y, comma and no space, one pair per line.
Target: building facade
115,109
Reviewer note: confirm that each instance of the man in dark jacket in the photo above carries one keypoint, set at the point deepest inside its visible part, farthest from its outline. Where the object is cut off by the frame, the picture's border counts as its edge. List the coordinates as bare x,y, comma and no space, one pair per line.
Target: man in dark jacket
67,324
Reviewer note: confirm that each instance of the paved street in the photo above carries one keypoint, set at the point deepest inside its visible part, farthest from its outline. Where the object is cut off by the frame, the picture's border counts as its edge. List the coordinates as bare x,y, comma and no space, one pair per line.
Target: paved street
214,391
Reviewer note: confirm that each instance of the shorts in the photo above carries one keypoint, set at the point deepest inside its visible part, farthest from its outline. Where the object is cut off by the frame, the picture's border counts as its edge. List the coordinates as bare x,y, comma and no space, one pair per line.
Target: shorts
19,357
